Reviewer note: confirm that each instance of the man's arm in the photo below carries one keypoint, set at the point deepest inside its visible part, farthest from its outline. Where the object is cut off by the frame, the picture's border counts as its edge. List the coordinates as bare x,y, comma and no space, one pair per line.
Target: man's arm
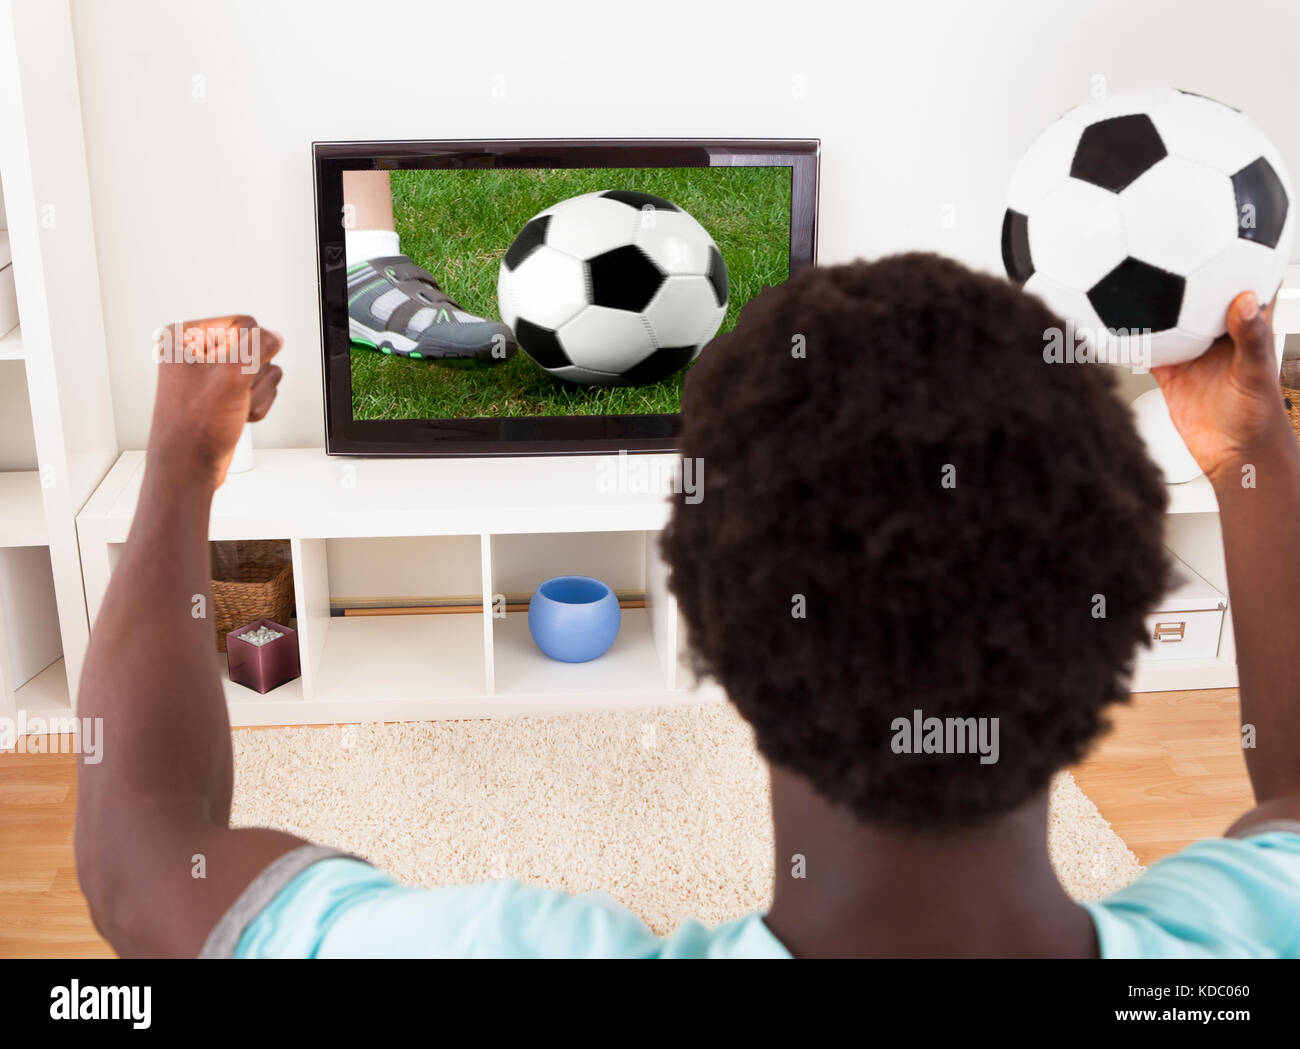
1228,407
1261,534
160,798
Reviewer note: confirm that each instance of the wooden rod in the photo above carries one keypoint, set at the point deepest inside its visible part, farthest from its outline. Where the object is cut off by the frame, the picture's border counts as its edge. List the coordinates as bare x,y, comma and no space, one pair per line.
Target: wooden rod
445,610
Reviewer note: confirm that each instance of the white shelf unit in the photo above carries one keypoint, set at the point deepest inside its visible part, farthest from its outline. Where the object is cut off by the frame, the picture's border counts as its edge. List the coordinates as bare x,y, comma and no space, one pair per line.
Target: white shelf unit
481,531
467,530
57,437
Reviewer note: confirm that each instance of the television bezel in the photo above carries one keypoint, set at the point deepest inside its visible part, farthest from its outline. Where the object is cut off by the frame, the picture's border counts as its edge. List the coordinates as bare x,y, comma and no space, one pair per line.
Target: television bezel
531,435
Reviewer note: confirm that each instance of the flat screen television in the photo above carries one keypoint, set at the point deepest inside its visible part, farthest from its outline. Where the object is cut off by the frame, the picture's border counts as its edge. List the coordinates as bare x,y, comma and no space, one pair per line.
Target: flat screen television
541,297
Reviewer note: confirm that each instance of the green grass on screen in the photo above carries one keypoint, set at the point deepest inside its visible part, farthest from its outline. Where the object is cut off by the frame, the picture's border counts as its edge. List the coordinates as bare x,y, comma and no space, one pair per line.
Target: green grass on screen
458,224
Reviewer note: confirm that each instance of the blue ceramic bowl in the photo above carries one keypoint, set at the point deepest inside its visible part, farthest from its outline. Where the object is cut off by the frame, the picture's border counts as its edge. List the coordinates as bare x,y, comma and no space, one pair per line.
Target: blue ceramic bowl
574,618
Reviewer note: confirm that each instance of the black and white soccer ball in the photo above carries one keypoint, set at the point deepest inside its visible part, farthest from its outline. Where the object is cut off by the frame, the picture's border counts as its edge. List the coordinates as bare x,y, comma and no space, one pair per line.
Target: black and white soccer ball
1142,216
613,288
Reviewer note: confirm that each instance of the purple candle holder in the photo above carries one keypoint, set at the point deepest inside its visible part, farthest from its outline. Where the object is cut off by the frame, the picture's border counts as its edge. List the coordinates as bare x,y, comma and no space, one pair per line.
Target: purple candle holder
263,667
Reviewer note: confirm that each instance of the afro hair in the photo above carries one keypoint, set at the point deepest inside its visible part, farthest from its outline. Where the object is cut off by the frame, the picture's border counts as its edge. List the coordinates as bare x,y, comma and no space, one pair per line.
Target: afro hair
906,507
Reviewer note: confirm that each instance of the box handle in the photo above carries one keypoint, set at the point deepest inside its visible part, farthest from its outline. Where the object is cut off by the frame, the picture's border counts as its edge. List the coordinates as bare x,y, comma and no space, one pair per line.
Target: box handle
1170,632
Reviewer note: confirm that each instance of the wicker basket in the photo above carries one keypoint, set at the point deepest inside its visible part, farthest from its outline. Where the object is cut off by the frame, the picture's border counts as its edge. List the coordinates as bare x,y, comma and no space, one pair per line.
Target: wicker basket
1293,407
250,580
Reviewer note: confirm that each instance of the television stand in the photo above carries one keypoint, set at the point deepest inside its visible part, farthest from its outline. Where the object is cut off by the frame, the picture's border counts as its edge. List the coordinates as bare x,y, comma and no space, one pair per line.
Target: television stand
493,528
498,527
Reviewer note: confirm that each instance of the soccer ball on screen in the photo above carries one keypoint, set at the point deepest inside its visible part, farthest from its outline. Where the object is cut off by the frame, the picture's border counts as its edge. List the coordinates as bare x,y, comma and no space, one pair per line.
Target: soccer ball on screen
613,288
1142,216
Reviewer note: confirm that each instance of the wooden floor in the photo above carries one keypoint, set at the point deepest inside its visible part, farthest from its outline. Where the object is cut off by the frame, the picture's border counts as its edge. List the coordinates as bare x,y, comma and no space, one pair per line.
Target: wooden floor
42,911
1171,772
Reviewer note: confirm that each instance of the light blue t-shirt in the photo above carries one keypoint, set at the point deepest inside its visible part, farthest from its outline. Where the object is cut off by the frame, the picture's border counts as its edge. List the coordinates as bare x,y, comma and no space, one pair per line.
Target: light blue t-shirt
1222,897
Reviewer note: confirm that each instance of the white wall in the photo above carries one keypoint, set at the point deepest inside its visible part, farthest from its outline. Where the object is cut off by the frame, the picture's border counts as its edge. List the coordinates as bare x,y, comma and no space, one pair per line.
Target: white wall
203,205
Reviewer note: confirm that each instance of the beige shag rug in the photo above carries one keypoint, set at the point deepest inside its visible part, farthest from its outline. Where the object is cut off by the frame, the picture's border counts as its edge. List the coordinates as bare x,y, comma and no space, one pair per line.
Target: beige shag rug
666,809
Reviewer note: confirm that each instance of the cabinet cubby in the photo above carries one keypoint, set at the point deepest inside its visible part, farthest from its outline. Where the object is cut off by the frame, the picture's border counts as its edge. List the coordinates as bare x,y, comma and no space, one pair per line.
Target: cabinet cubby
408,659
641,660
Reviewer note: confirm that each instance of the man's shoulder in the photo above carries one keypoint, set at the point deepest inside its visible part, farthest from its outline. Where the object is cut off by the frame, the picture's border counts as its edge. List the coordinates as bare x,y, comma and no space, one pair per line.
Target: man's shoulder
1218,897
344,907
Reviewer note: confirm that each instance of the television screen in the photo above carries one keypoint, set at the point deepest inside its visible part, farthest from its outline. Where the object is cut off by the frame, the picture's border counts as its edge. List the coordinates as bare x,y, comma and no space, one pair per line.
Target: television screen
516,298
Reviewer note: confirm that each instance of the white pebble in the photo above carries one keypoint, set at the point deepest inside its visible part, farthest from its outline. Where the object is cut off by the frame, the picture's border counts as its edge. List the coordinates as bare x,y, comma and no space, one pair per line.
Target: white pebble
263,635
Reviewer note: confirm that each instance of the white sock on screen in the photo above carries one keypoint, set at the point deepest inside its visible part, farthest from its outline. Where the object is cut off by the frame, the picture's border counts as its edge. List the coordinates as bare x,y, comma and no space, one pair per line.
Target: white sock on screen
362,244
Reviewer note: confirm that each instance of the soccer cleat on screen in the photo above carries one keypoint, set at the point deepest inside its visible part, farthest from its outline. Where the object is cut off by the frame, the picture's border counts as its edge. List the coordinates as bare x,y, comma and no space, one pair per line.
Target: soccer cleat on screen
396,307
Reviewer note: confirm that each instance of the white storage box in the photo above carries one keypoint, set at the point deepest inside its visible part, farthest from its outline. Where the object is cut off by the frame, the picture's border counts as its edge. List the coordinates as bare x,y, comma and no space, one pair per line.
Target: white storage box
8,296
1189,621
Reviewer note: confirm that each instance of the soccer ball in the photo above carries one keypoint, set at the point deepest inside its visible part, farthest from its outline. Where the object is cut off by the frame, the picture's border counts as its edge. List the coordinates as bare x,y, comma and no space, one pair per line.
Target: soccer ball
1140,218
613,288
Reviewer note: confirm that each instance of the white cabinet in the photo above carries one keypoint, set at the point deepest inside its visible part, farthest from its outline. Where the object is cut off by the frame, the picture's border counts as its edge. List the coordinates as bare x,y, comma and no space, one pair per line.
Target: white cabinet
465,540
57,438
